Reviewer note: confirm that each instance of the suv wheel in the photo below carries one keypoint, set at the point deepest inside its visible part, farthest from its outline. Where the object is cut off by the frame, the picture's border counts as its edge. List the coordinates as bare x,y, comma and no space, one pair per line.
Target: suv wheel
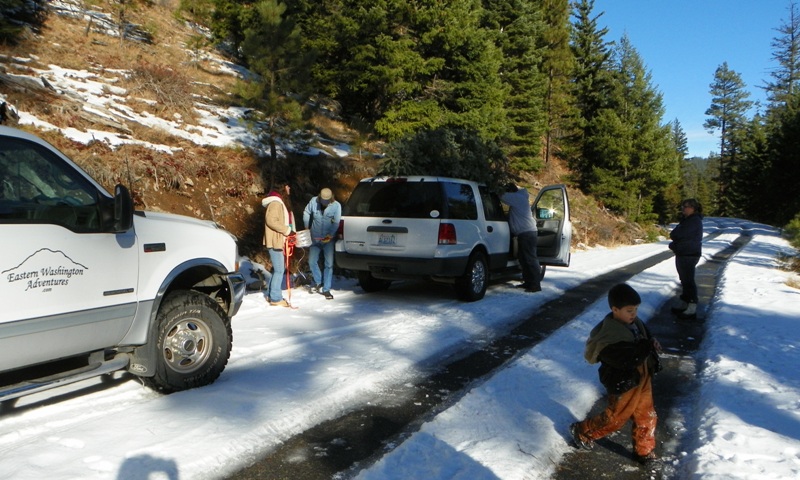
472,285
194,342
371,284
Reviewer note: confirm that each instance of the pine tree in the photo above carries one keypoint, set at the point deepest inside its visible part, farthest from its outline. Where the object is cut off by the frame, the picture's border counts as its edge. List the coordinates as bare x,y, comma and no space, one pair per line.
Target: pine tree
786,52
593,85
676,189
628,157
271,47
460,85
782,203
450,152
750,184
679,140
729,104
773,170
516,26
558,64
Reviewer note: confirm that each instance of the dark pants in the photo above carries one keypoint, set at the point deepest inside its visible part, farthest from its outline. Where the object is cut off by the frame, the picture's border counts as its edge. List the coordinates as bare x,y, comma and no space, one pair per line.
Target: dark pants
685,265
528,260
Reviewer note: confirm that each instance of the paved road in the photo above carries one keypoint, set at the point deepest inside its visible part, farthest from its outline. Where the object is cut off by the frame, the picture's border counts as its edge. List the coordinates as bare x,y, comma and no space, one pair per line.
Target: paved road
672,389
358,438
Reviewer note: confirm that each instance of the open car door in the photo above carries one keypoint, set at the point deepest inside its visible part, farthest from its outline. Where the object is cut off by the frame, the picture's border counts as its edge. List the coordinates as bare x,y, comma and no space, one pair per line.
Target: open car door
551,212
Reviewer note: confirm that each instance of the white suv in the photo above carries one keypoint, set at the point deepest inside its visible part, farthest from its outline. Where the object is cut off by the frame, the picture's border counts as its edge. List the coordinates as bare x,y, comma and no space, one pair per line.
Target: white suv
442,229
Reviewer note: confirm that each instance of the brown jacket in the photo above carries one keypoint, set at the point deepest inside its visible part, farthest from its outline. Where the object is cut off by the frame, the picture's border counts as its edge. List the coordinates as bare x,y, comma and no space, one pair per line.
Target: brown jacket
277,223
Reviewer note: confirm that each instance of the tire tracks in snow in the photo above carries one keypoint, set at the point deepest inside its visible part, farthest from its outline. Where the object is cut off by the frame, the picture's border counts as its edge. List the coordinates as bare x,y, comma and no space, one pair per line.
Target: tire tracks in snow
673,389
341,447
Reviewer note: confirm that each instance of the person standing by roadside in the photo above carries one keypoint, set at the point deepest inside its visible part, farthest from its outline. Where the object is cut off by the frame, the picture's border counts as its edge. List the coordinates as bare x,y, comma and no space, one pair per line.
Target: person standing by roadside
321,216
687,239
278,228
523,226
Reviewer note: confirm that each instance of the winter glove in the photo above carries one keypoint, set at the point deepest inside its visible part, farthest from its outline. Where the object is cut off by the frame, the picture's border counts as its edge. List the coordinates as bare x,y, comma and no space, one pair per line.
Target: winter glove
326,239
291,239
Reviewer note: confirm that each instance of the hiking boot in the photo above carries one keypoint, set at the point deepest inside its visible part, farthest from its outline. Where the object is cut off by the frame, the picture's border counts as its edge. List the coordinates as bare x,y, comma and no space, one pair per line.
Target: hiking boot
524,285
679,307
328,295
578,440
690,313
315,288
281,303
649,461
534,289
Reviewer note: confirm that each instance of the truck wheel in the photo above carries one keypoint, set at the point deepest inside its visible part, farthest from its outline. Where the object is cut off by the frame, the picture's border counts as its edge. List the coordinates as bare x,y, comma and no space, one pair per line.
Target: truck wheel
193,342
472,285
371,284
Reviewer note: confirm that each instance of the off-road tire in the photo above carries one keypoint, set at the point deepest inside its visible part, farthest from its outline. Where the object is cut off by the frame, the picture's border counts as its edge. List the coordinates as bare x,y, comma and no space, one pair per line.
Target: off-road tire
471,286
193,342
371,284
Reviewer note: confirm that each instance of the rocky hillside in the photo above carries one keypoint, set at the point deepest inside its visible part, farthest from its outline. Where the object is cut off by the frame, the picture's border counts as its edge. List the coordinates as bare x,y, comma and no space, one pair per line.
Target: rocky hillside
157,110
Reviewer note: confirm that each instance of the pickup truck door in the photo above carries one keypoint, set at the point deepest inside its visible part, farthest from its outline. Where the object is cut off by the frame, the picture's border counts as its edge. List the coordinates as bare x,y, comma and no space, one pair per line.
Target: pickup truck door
551,212
68,285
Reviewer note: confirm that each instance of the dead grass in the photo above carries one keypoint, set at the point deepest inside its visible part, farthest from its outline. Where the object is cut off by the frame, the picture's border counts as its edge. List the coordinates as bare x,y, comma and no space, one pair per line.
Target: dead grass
216,183
791,263
170,88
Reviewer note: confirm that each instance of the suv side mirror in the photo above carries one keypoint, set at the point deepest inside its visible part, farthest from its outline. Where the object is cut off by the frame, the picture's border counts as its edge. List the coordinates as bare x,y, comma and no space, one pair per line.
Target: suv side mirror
123,209
544,213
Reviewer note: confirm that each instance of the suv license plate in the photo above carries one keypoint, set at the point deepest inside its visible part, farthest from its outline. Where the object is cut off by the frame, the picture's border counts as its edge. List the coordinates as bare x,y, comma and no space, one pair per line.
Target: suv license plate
387,239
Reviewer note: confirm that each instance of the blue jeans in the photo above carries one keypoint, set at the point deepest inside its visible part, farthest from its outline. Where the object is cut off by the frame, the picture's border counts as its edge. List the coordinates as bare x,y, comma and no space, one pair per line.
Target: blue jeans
278,270
321,278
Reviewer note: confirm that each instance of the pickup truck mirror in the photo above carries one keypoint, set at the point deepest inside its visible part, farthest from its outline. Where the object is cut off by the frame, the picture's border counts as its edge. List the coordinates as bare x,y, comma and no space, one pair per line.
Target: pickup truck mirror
123,209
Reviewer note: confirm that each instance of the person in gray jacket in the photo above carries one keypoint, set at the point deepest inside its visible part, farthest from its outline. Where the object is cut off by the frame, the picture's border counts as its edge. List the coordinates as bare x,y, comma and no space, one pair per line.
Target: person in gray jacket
321,216
523,226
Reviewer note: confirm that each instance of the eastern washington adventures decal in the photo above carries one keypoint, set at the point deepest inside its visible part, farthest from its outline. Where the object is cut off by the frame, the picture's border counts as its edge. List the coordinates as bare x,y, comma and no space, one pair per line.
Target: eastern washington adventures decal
43,271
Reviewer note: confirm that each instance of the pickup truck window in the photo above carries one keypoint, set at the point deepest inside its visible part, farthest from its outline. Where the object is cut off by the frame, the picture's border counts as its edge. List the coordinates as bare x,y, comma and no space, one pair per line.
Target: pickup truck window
38,187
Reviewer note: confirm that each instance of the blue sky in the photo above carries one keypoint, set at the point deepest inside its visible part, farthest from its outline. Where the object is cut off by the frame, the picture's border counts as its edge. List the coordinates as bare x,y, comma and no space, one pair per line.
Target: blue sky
682,42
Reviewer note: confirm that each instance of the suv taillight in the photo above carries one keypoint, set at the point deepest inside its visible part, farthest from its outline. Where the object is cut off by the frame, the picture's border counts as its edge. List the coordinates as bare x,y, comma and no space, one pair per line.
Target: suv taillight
340,230
447,234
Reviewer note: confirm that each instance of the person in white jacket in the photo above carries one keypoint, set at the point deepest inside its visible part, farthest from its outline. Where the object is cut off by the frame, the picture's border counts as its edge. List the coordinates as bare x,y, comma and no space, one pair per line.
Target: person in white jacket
278,226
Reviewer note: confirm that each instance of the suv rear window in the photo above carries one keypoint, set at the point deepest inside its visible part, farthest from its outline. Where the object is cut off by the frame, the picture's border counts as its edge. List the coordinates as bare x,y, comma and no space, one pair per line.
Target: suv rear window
412,200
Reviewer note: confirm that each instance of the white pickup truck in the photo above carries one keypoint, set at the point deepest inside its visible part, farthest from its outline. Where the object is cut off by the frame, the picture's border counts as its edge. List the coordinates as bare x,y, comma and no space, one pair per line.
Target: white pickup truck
88,286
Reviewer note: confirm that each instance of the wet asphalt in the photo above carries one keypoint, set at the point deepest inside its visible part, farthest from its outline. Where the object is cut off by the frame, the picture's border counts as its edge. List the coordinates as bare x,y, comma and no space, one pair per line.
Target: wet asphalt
339,448
673,390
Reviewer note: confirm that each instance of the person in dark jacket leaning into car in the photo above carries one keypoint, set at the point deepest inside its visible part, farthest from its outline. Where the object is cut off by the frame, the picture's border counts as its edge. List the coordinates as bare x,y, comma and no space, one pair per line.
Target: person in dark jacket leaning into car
628,356
687,239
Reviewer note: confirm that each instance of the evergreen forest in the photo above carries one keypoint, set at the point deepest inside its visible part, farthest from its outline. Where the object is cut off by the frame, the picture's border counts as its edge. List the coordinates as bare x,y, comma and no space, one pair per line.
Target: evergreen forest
508,86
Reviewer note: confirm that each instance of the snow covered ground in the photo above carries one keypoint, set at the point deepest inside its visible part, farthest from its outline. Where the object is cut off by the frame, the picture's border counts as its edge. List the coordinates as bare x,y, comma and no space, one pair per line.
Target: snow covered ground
291,369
